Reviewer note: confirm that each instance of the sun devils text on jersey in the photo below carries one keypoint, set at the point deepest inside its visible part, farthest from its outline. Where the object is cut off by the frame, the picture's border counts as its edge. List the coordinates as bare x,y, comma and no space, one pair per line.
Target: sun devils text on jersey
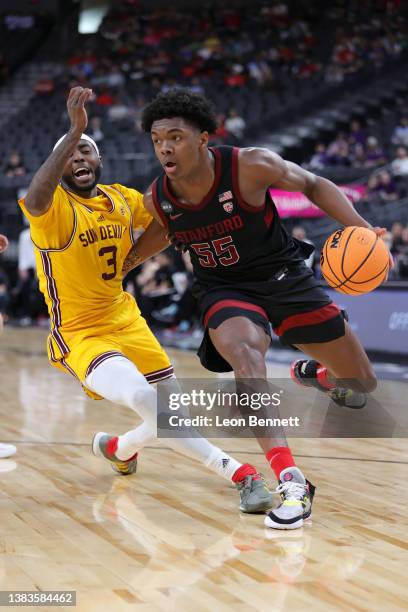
228,240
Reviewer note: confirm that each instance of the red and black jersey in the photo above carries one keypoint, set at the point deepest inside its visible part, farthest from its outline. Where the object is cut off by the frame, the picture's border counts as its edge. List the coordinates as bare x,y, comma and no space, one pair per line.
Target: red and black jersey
228,240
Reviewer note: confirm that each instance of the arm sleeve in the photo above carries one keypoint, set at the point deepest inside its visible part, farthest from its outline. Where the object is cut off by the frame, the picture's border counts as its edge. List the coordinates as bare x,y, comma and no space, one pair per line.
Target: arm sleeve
53,229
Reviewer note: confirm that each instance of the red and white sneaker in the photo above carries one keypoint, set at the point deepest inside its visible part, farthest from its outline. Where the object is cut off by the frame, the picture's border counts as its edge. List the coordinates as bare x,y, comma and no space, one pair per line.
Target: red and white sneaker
310,373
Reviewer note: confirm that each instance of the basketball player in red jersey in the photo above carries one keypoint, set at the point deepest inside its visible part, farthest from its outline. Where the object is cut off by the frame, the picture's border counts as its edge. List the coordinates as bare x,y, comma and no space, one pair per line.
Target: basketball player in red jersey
6,450
249,272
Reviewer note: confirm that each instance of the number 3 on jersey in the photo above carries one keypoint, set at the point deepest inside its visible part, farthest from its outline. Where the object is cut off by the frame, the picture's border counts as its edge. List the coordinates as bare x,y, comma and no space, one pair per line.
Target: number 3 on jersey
111,262
225,252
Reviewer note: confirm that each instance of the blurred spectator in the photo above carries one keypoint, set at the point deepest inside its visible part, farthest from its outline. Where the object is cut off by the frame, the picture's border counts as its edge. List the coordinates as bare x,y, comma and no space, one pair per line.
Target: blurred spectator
396,232
393,273
28,302
118,110
15,166
104,98
319,159
399,165
357,134
196,86
235,125
387,189
299,233
221,135
400,134
373,188
402,257
182,310
95,129
375,155
44,86
338,152
358,156
260,71
137,111
155,285
333,75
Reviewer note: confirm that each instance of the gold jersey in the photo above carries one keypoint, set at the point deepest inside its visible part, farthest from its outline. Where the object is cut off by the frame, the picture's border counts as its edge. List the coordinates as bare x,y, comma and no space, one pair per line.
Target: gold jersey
80,246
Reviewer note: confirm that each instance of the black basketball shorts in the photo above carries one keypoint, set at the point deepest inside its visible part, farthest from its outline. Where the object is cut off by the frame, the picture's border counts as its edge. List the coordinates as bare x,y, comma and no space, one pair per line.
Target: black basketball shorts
292,301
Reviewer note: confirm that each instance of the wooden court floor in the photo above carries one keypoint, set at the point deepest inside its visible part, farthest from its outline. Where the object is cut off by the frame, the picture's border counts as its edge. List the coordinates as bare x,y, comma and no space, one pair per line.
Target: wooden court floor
171,537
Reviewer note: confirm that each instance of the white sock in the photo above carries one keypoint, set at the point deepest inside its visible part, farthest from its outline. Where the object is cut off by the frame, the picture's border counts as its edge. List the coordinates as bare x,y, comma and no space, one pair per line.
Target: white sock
133,441
222,464
117,379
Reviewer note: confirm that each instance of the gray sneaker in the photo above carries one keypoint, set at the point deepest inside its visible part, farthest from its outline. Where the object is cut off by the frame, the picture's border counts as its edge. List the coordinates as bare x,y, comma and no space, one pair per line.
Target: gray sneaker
101,445
254,494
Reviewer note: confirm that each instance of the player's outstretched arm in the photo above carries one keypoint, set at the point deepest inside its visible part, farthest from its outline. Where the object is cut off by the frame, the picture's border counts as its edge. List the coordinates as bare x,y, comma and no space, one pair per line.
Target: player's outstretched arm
152,241
46,179
261,169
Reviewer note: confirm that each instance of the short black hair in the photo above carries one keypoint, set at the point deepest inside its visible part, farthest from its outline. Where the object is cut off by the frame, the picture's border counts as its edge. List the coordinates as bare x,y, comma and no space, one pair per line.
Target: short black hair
192,107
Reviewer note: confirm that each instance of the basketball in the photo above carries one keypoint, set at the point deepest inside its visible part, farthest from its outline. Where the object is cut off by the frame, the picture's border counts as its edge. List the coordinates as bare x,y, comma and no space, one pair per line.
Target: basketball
354,260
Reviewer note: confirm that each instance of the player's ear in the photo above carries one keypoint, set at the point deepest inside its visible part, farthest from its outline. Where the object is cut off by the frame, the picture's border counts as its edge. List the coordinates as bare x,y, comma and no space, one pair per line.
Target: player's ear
100,162
203,139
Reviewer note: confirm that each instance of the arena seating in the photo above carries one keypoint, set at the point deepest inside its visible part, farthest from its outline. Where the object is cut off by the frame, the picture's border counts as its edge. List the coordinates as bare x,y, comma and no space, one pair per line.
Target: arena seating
296,72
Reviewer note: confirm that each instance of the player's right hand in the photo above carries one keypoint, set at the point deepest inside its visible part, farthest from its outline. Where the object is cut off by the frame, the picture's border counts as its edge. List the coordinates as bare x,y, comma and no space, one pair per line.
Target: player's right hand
78,97
178,244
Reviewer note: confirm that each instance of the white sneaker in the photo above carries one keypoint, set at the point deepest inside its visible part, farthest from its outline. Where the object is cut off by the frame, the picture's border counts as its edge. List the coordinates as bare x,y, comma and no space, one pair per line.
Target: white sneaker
7,450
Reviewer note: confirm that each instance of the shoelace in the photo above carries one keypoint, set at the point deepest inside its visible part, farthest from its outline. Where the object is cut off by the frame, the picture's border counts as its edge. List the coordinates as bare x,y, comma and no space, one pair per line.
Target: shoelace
293,491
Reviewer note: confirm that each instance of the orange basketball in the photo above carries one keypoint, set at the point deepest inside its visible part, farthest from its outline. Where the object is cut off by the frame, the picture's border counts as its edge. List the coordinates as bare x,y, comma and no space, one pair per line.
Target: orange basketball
354,260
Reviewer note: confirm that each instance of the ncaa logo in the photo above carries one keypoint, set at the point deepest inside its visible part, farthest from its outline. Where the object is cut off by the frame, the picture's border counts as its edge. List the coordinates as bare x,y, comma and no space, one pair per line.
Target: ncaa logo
228,207
166,207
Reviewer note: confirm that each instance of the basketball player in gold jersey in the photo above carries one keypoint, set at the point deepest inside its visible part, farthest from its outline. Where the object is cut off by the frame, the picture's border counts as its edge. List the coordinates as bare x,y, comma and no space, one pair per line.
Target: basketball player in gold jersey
6,450
82,232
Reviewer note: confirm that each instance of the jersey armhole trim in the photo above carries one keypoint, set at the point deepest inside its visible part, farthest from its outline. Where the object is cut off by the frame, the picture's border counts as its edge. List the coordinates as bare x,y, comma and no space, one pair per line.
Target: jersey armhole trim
132,239
69,241
235,185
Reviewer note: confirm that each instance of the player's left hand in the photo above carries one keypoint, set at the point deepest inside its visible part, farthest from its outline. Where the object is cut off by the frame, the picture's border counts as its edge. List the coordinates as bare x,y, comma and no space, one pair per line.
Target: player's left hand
3,243
380,231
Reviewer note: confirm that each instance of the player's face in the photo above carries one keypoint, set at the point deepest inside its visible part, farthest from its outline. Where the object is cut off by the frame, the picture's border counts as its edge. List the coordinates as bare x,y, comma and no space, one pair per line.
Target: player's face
178,146
83,169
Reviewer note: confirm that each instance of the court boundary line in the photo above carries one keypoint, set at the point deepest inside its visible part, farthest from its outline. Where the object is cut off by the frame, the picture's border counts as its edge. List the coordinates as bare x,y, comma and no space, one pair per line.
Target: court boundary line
229,451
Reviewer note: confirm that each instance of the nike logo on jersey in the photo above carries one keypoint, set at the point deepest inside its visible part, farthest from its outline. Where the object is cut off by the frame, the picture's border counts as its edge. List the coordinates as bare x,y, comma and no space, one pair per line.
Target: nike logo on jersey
174,217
